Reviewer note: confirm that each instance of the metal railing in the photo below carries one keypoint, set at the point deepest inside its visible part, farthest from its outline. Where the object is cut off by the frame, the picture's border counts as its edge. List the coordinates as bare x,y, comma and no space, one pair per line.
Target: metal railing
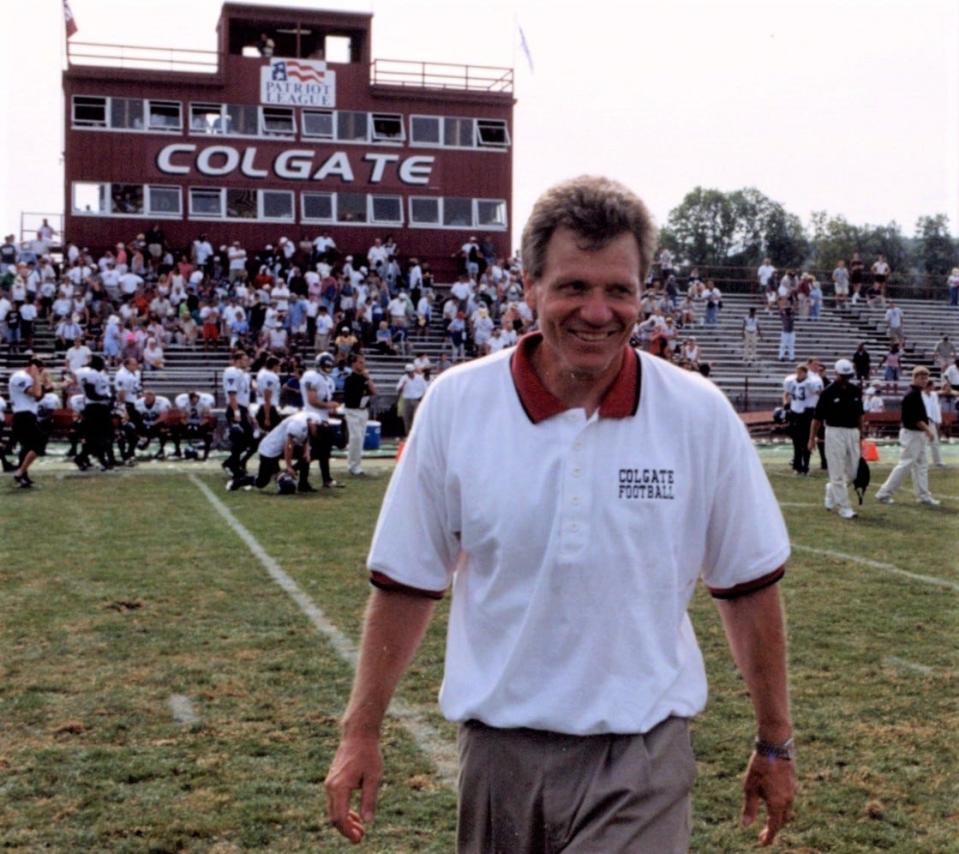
140,57
441,75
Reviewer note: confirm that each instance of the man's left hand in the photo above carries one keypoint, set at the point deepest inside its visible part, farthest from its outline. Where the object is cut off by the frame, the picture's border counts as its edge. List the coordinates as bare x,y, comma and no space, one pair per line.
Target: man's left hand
774,782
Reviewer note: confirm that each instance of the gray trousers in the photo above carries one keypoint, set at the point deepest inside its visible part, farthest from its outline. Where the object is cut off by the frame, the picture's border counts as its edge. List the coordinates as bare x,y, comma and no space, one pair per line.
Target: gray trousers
525,791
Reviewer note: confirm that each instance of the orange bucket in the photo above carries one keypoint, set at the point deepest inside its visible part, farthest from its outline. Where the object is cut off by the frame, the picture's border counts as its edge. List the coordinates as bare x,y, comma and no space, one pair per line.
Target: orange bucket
870,453
402,445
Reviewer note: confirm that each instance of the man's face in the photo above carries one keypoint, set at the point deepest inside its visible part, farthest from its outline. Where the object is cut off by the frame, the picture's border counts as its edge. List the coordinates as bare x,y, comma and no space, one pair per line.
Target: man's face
587,302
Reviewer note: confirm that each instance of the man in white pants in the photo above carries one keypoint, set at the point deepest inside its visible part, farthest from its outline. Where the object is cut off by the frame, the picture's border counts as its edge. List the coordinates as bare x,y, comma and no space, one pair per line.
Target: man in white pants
913,434
358,388
930,399
840,408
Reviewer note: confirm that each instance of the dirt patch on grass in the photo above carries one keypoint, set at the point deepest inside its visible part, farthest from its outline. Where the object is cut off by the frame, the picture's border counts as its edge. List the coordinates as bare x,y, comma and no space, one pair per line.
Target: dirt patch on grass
124,605
70,728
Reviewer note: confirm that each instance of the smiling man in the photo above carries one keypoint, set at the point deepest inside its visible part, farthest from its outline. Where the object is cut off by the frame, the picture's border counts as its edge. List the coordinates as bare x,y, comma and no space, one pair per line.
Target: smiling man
571,664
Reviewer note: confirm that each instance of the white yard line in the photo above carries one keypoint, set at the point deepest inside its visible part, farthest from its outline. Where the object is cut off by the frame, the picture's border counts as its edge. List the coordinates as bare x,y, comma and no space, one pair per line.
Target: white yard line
910,666
413,718
875,564
182,708
800,504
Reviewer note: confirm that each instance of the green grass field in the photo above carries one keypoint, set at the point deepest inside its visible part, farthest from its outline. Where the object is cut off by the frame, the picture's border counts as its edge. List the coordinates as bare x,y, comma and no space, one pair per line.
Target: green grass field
119,592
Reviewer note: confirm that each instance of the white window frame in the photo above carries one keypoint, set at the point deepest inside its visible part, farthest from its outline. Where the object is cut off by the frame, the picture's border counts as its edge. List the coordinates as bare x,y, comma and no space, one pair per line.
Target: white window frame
163,214
261,206
370,210
226,205
446,144
427,144
207,108
143,109
490,227
310,111
105,124
263,132
178,128
143,196
303,215
192,214
477,140
472,212
388,140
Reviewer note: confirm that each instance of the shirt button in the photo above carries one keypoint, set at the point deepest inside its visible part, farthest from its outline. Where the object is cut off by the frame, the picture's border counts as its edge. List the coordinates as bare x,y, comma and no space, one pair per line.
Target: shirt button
574,527
575,499
577,472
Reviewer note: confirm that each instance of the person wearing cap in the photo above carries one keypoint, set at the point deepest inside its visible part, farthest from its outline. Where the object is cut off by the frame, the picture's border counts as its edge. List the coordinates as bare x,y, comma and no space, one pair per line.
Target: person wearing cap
572,667
913,435
410,387
840,409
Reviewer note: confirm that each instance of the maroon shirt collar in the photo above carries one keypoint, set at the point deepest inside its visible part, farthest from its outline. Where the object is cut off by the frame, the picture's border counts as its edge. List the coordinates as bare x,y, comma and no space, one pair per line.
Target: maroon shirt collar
621,401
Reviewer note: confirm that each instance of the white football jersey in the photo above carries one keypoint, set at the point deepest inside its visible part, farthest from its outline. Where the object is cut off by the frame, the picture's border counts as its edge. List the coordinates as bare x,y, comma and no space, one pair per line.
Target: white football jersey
268,380
237,381
20,398
151,414
323,386
296,427
128,382
98,380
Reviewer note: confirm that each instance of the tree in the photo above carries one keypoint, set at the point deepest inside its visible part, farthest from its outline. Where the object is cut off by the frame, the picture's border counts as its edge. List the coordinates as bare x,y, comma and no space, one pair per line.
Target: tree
935,251
833,238
702,227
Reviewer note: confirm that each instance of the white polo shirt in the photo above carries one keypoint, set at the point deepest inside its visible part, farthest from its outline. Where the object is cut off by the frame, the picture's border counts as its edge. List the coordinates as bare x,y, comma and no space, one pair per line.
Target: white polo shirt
569,595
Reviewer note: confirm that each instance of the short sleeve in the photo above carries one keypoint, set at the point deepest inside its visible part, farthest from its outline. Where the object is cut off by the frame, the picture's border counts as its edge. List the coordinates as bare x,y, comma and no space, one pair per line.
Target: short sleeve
415,545
747,544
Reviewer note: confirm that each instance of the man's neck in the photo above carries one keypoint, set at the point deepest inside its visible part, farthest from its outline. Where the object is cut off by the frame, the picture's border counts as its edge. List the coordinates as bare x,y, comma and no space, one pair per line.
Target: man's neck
576,391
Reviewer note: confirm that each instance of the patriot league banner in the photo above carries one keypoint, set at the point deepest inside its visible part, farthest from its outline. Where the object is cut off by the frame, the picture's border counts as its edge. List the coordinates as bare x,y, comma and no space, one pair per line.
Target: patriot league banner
297,83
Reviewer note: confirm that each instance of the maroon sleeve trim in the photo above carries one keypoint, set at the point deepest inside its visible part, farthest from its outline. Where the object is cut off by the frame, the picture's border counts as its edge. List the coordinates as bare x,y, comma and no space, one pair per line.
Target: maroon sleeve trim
384,582
748,586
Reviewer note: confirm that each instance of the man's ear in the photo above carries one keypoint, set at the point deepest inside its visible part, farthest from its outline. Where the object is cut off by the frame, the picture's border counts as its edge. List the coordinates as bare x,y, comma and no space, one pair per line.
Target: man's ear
529,290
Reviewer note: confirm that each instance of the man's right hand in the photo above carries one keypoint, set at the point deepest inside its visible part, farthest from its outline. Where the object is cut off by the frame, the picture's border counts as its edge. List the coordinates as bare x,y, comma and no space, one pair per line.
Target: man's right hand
358,764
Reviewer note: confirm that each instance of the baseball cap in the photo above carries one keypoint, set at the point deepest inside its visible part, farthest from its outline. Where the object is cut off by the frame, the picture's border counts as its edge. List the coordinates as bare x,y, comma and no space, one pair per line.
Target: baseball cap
410,367
844,368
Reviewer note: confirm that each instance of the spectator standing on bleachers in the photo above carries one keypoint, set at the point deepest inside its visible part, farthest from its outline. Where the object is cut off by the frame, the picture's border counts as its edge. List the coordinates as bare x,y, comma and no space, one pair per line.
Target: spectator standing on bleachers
880,275
857,273
765,274
787,333
815,299
840,280
840,409
930,400
893,319
751,334
945,353
9,255
891,364
714,302
913,437
862,362
953,284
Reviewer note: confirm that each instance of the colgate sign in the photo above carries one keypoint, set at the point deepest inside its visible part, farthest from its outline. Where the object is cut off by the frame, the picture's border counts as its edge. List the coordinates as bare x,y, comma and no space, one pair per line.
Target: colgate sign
294,164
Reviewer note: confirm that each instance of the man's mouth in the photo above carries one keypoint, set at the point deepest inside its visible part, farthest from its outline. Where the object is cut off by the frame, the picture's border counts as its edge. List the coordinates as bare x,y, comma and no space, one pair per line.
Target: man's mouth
590,337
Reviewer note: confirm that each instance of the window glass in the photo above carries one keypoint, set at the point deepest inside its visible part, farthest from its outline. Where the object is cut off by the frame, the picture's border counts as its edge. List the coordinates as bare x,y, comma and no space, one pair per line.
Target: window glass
126,113
206,202
164,115
490,212
241,119
351,207
206,118
457,211
278,120
458,132
318,123
126,198
491,134
241,204
425,129
89,112
387,209
425,211
351,125
387,127
164,200
90,198
277,204
318,206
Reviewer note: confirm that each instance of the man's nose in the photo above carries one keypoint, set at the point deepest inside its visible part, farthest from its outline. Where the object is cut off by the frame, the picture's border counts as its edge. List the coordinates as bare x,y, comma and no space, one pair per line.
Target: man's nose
596,309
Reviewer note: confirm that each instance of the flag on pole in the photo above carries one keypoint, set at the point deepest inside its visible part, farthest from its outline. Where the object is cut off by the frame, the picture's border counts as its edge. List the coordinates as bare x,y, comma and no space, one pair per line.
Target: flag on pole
69,19
525,46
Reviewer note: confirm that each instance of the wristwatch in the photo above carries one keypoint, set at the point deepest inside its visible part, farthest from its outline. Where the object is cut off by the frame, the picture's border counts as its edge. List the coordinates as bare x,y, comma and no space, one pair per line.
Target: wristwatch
786,750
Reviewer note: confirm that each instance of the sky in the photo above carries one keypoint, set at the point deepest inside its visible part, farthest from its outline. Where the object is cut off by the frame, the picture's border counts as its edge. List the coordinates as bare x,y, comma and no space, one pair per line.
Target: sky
847,106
